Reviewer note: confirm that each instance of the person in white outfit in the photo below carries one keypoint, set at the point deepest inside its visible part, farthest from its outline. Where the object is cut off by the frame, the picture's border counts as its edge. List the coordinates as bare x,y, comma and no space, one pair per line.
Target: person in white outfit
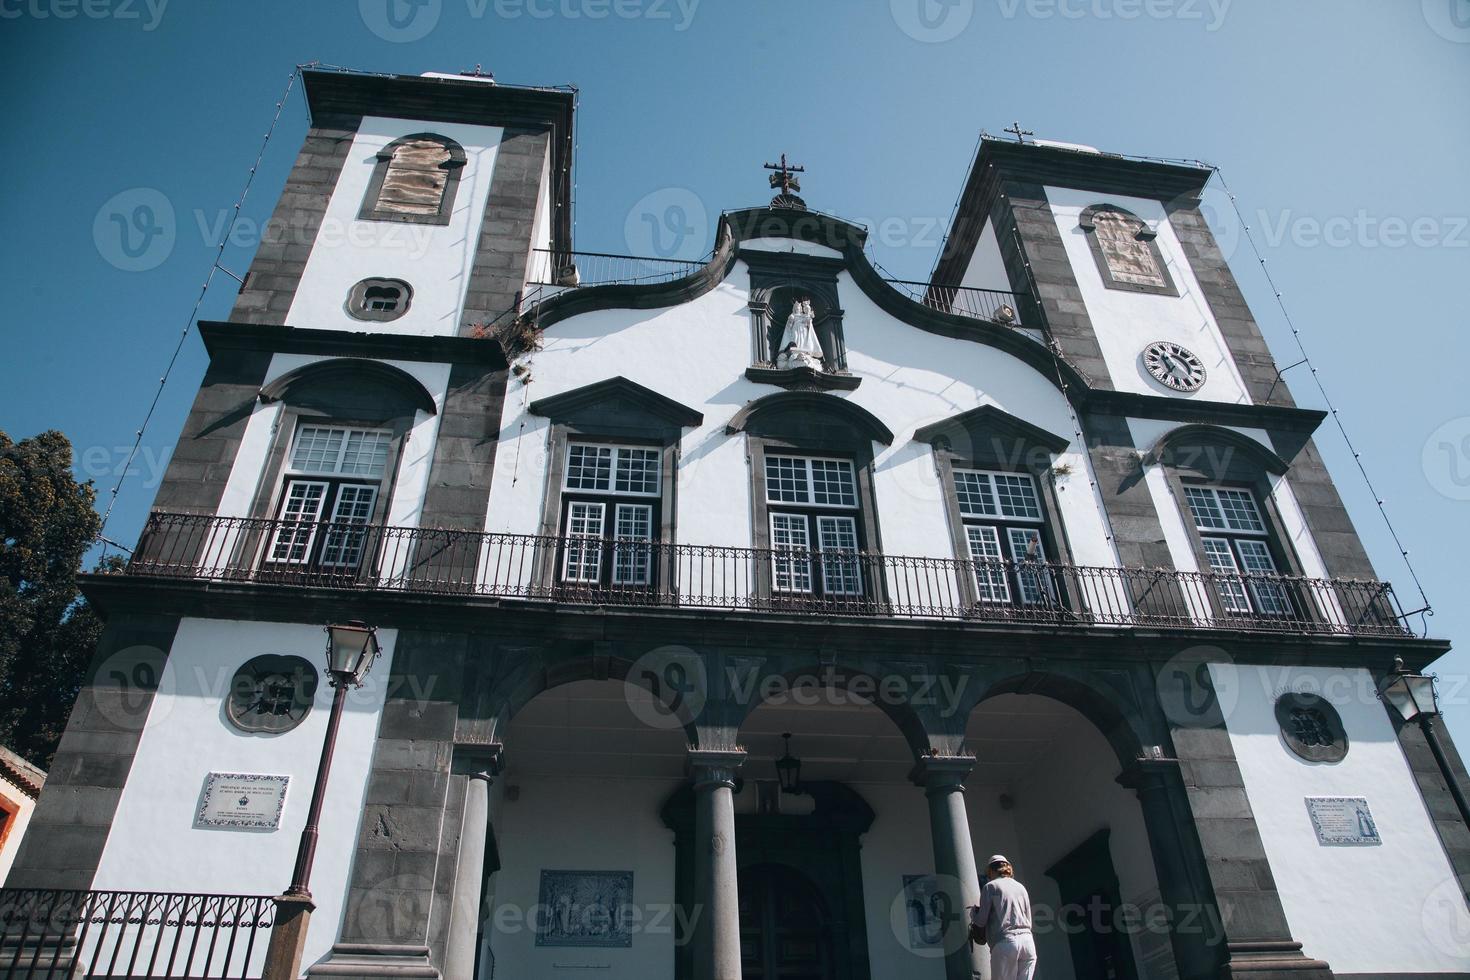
1004,913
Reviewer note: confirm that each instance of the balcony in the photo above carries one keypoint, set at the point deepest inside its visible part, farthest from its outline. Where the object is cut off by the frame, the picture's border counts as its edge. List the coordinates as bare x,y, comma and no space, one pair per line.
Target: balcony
606,572
1015,310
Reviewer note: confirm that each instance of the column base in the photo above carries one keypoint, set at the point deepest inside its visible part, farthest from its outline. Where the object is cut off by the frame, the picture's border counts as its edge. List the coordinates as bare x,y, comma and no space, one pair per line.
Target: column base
1282,960
376,960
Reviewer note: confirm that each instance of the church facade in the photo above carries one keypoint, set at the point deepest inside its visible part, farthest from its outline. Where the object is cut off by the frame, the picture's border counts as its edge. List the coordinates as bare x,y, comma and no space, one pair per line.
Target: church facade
729,610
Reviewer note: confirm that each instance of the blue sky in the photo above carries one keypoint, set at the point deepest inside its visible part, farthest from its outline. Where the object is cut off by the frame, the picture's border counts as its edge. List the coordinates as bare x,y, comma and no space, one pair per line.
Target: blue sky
1340,125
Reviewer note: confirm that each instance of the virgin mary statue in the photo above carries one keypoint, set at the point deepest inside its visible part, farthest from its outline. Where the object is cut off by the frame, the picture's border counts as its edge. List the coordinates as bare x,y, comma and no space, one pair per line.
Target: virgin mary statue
799,344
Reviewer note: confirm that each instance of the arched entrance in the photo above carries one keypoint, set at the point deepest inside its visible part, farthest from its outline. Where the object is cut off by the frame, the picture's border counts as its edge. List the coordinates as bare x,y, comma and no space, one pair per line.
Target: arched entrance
783,926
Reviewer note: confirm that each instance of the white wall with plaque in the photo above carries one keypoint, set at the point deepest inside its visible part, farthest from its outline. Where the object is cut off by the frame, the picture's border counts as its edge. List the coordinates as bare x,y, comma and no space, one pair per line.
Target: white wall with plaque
1343,821
242,801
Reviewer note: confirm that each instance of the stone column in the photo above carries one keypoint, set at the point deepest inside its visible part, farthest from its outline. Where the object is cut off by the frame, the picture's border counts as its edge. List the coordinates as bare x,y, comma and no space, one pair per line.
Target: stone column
716,884
469,874
943,781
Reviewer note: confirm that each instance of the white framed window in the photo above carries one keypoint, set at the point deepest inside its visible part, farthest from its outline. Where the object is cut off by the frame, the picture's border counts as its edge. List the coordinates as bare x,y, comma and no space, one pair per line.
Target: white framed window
837,541
1003,518
301,509
583,558
814,481
598,468
347,532
340,451
1011,496
632,553
792,572
1235,541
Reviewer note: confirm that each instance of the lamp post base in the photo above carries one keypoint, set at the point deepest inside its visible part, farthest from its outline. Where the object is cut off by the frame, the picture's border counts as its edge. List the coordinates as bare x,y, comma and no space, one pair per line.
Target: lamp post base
288,937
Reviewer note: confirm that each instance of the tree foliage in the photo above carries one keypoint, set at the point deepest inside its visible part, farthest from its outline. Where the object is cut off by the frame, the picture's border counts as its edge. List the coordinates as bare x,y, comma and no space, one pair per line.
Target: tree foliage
47,631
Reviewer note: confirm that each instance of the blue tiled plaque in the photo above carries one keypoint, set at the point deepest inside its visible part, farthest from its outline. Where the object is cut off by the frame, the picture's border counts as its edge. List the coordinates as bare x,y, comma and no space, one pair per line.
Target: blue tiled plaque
585,908
1343,821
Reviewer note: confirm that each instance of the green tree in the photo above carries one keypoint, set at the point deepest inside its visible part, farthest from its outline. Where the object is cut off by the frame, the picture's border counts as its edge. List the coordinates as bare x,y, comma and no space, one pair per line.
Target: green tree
47,630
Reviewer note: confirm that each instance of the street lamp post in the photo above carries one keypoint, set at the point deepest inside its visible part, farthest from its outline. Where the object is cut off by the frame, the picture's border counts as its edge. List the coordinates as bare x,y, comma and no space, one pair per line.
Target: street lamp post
351,649
1413,696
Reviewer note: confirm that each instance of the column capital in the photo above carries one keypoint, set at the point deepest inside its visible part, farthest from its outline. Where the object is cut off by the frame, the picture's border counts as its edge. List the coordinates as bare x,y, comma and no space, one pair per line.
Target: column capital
714,767
941,773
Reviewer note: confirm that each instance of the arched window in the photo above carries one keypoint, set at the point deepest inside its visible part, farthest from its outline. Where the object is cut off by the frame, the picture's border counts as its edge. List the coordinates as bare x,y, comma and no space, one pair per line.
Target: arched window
415,180
1126,253
379,299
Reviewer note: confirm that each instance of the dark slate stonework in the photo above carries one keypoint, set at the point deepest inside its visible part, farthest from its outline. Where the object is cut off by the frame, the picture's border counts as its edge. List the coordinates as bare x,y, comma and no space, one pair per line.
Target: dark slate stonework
207,446
64,841
464,454
504,249
396,885
1332,529
287,238
1448,823
1023,208
1137,532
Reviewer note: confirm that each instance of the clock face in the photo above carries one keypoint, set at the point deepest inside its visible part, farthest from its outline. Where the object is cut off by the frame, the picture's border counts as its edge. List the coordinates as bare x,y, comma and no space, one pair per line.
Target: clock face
271,693
1174,366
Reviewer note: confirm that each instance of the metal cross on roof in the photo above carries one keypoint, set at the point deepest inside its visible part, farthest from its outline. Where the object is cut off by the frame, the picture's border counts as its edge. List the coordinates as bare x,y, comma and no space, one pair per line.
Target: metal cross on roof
1020,133
783,177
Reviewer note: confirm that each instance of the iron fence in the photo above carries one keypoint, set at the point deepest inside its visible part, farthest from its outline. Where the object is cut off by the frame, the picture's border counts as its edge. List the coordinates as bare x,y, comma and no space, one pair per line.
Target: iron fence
55,933
625,572
995,305
570,269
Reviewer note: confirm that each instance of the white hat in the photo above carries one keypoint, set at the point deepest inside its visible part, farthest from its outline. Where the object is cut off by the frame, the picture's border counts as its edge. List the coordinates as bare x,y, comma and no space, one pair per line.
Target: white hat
997,859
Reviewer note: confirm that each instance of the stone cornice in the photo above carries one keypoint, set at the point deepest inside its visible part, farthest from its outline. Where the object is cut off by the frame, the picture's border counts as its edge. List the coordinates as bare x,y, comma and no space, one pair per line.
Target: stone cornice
221,335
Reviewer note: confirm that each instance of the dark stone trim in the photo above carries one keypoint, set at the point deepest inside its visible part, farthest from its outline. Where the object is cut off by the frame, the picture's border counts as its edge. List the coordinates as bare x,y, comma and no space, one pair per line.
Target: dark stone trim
1088,223
486,614
803,379
458,493
969,428
464,101
453,169
1328,520
1449,825
753,416
601,393
205,452
1133,522
1001,160
348,371
1196,437
221,335
506,229
1168,408
357,300
68,830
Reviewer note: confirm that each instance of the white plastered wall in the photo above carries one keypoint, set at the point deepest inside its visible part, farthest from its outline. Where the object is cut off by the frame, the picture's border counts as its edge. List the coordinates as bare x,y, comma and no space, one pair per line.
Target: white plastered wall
1388,909
697,354
1126,322
414,460
987,269
435,260
154,844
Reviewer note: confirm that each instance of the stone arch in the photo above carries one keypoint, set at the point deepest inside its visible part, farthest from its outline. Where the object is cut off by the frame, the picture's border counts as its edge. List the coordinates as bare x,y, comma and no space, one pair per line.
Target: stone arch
1118,717
352,387
1209,450
775,414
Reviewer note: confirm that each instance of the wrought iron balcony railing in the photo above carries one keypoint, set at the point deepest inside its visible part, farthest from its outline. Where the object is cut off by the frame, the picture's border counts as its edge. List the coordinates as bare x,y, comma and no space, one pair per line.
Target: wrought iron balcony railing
995,305
621,572
48,933
572,269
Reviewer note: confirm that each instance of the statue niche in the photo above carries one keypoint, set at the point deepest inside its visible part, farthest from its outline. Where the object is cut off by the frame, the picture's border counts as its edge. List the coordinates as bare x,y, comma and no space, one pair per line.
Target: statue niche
799,346
797,338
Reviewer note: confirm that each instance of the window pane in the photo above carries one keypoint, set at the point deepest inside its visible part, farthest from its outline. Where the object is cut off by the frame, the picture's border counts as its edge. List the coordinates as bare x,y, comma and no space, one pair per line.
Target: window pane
317,449
344,546
786,480
1239,507
975,495
832,483
1204,508
1228,583
840,575
990,569
1270,595
632,561
584,542
789,533
366,453
1017,495
589,467
638,471
1034,580
303,503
